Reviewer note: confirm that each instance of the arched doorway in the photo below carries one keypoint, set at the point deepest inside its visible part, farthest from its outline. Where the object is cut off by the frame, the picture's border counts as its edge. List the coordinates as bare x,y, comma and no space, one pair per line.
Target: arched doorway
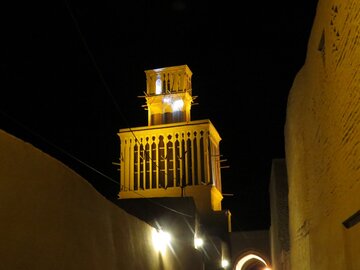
251,261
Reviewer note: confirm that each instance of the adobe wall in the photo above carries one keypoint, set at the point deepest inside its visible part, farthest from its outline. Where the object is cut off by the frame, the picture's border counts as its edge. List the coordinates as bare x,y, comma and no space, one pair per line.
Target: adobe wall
51,218
322,135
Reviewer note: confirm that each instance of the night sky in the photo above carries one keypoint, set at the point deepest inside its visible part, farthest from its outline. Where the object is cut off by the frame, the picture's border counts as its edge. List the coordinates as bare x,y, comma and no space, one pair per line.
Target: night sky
71,74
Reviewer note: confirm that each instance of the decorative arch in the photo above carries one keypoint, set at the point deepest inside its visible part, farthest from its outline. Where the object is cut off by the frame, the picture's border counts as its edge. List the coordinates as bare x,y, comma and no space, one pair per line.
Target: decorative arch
252,260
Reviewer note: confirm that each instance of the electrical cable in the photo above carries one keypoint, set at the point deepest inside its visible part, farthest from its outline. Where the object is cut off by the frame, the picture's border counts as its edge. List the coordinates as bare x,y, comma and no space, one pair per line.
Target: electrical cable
104,81
164,206
107,87
57,147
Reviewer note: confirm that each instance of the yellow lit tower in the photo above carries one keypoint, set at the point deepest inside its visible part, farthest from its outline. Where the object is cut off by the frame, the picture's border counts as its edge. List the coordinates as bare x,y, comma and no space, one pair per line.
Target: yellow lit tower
172,156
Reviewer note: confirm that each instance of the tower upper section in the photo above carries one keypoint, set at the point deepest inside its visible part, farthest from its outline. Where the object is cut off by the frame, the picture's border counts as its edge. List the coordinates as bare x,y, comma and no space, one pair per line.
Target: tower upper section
172,156
168,95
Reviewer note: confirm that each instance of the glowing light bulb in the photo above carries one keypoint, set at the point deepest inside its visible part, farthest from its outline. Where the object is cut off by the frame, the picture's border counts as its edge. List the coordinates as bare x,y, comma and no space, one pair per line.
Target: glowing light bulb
198,242
224,263
161,240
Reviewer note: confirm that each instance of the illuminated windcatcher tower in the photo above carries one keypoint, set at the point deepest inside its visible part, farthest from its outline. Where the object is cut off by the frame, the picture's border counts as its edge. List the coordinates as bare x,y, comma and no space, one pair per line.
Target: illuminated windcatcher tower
172,156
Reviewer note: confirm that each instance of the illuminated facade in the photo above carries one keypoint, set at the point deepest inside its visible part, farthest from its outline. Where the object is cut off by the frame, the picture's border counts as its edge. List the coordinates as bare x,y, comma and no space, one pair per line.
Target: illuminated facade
172,156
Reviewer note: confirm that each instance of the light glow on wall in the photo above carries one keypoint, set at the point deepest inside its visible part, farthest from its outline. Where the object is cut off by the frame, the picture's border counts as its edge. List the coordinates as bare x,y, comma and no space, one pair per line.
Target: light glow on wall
167,99
245,259
176,104
161,240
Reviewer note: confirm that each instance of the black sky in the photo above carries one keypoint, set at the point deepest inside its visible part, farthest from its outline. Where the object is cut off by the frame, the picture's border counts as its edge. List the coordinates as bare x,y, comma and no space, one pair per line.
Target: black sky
71,74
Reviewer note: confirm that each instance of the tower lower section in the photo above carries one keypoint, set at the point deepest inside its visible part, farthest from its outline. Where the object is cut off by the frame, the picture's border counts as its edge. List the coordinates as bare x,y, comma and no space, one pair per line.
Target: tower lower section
172,160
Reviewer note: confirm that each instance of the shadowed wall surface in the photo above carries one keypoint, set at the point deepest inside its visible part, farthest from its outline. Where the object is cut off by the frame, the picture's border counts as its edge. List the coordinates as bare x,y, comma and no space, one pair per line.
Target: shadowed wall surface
323,143
279,229
51,218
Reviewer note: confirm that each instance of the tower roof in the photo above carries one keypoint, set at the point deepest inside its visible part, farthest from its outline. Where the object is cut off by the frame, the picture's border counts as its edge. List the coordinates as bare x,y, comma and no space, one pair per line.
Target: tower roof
168,80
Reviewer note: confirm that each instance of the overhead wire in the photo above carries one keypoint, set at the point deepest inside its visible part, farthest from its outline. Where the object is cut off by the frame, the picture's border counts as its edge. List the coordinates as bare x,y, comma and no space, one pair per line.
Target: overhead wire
32,132
107,88
55,146
111,96
105,84
161,205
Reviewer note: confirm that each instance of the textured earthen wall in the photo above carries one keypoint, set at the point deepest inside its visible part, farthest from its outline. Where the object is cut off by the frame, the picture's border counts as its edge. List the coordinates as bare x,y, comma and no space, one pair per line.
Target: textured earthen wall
51,218
323,143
